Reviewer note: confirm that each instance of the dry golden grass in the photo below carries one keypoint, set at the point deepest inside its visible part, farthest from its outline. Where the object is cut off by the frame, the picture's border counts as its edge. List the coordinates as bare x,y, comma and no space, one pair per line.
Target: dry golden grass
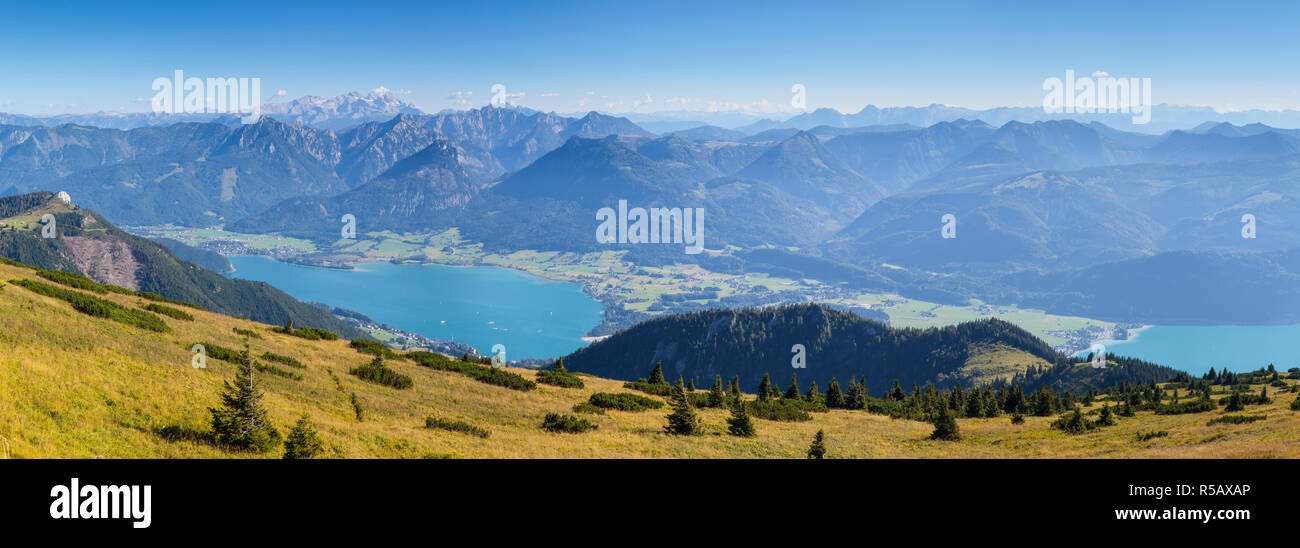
72,386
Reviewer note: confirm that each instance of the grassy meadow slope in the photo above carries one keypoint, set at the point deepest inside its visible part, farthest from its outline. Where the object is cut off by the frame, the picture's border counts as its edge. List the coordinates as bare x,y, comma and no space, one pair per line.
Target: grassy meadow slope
75,386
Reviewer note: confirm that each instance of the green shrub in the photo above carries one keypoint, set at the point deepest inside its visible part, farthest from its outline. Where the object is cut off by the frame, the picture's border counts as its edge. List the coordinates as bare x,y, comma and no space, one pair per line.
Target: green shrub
556,422
560,378
1148,436
1190,406
97,307
1295,405
73,280
168,311
624,401
587,407
283,359
222,353
1236,419
309,333
378,373
455,426
787,410
268,368
1017,418
483,374
375,348
247,333
654,389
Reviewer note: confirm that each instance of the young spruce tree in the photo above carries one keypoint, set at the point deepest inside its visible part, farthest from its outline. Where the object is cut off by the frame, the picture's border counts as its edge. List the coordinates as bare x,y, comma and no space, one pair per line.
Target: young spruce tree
945,426
657,376
683,420
241,421
740,424
302,443
817,451
716,396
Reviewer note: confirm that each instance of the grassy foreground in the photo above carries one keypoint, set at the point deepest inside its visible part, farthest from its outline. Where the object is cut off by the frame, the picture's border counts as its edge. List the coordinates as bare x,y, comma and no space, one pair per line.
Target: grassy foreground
76,386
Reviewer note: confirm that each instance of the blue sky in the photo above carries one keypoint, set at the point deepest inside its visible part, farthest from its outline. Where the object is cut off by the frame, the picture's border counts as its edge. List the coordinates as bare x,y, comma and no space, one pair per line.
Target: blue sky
650,56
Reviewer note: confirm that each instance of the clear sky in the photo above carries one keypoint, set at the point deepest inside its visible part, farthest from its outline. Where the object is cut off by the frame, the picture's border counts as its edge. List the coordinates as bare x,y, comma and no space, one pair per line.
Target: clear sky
625,56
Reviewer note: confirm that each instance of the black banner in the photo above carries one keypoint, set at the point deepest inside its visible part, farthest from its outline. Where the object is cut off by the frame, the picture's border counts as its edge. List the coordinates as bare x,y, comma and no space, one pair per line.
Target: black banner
141,498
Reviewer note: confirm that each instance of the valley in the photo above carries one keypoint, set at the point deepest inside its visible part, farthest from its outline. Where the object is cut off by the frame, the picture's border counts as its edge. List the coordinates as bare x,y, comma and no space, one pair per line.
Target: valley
637,292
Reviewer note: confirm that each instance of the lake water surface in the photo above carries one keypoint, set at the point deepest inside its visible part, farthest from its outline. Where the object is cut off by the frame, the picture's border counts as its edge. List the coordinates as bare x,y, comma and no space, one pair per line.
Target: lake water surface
1195,348
533,317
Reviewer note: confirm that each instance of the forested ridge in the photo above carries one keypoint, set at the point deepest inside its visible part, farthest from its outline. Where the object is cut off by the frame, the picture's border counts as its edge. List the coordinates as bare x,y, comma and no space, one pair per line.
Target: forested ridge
752,342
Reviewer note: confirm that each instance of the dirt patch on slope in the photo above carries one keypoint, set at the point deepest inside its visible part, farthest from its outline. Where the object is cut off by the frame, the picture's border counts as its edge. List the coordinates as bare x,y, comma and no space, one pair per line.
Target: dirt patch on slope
105,261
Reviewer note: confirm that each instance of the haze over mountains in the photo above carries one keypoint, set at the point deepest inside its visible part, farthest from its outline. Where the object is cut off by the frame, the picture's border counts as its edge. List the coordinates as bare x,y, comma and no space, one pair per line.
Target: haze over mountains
1044,209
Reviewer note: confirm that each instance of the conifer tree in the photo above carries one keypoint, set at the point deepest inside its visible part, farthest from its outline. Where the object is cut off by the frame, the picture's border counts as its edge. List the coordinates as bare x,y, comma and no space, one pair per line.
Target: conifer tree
813,394
1075,424
241,421
897,392
657,376
857,398
792,391
834,398
1106,418
1295,405
765,388
817,451
302,443
683,420
559,366
734,388
716,396
945,426
690,385
1235,402
739,424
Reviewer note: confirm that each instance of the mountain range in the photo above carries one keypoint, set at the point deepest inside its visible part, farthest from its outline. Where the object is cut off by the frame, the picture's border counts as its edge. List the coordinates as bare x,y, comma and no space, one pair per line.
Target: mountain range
1046,200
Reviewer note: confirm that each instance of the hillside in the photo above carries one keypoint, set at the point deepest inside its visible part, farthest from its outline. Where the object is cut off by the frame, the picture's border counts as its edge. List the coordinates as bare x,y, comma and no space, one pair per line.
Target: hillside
753,342
88,244
73,386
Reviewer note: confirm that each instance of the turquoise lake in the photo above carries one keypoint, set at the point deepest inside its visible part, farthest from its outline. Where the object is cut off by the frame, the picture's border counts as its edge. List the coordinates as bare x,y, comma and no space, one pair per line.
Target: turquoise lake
1195,348
531,316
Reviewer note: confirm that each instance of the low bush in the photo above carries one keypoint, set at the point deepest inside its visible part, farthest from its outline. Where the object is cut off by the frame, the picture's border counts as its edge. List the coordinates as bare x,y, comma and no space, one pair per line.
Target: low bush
624,401
309,333
1148,436
168,311
455,426
1236,419
375,348
555,422
587,407
222,353
247,333
289,361
268,368
483,374
787,410
91,305
1184,407
379,373
654,389
560,378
